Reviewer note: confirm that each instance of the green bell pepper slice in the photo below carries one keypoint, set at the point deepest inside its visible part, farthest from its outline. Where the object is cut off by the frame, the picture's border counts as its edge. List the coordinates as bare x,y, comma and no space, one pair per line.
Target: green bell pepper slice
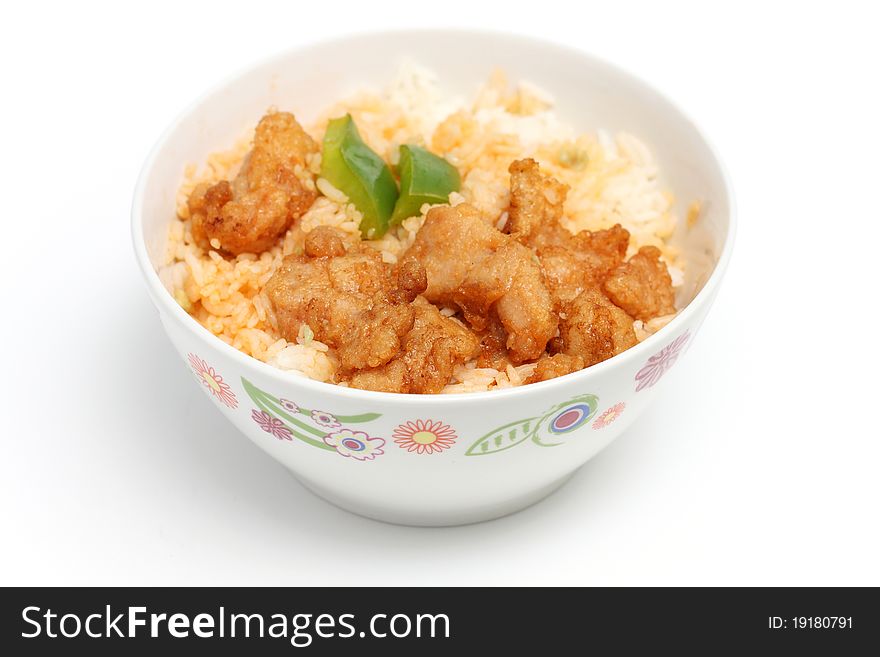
424,178
357,171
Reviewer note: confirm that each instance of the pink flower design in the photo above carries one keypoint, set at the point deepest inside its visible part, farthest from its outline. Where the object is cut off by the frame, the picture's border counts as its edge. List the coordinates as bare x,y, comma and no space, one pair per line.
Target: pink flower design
289,406
659,363
325,420
355,444
213,381
271,425
609,415
424,436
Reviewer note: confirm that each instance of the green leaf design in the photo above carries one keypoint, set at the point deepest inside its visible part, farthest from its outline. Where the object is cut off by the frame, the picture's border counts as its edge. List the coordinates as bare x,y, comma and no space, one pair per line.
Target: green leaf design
254,392
270,405
502,438
355,419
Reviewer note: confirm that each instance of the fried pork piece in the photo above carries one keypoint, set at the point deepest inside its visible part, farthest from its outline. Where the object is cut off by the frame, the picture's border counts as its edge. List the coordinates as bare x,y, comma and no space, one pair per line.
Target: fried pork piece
549,367
324,242
431,351
477,268
594,329
582,261
248,214
536,204
412,280
493,344
572,263
642,286
351,301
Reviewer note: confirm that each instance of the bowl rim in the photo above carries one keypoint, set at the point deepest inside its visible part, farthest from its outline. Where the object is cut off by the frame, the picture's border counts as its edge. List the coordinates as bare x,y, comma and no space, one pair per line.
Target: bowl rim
165,303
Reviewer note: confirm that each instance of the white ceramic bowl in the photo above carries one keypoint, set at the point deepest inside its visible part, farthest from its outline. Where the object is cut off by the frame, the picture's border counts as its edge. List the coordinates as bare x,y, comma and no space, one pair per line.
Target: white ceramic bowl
503,450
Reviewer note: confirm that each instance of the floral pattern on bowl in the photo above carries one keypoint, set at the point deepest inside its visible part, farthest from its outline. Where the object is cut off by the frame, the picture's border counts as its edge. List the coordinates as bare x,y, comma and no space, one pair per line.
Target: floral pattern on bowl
424,436
661,362
609,415
211,379
355,444
272,425
285,420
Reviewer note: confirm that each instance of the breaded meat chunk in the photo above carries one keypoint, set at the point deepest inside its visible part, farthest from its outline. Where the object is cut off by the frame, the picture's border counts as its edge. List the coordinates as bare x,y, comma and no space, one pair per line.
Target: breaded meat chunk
549,367
594,329
493,344
450,244
324,242
351,301
249,213
412,280
475,267
581,261
536,204
642,286
431,351
572,263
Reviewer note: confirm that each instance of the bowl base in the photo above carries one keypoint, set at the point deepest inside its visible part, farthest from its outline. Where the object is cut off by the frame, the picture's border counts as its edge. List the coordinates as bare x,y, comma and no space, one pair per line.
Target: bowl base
434,518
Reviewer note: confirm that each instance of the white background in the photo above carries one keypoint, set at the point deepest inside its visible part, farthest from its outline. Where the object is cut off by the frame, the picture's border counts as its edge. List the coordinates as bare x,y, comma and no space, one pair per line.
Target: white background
758,464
